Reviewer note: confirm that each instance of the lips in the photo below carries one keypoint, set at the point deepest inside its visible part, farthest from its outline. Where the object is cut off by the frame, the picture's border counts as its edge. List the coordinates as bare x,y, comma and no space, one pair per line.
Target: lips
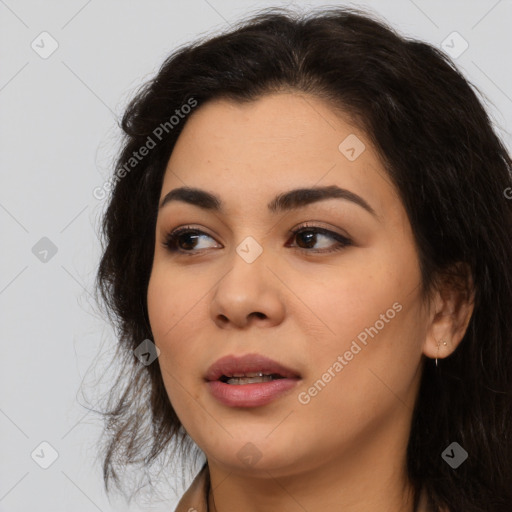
230,366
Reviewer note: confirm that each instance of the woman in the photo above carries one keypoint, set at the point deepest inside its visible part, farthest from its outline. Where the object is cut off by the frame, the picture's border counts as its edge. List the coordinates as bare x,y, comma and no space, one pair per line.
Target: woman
308,248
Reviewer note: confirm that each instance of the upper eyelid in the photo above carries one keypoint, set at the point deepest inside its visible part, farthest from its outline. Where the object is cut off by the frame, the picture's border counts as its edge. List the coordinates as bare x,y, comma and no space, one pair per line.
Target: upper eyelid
321,230
300,226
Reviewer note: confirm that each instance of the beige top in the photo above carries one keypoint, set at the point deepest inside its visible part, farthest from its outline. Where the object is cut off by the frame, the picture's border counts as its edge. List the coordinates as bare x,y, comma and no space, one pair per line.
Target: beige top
195,498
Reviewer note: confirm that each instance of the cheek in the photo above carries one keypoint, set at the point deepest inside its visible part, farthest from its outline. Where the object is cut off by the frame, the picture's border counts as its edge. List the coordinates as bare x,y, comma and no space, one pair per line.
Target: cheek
166,310
170,306
370,308
171,297
176,309
348,298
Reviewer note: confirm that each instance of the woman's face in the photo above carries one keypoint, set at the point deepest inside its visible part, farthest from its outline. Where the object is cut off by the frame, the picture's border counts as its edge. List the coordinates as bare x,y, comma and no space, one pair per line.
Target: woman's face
348,319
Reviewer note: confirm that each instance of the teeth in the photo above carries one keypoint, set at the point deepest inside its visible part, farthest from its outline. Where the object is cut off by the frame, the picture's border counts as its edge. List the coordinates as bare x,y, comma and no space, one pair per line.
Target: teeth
254,374
250,380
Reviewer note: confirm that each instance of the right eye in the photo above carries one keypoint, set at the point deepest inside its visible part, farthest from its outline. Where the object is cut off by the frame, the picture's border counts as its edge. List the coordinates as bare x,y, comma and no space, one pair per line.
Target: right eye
184,240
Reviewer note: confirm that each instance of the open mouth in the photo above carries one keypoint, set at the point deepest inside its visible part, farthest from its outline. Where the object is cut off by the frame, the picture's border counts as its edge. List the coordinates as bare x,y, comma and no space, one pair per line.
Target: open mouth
250,378
248,369
249,388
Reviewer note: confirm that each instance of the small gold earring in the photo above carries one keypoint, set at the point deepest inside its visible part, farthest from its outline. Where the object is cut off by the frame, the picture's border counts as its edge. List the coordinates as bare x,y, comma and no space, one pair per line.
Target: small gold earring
444,343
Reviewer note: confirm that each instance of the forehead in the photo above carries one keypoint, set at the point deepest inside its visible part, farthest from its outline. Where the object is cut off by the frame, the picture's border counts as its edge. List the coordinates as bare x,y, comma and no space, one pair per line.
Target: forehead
254,150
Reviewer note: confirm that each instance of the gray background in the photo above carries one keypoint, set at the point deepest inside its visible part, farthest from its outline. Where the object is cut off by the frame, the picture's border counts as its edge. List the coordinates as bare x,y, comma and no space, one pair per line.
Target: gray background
58,139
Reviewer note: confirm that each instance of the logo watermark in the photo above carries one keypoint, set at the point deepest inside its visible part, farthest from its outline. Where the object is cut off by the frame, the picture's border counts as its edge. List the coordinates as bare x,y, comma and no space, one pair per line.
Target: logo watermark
157,135
304,397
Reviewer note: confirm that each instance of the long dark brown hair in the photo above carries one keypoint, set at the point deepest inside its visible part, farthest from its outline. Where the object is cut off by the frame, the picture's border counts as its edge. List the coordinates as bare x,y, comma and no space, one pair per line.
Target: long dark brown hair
452,173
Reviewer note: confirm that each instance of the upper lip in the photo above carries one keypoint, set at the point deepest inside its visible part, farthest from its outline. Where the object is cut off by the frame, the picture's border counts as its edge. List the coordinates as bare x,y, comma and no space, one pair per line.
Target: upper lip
249,363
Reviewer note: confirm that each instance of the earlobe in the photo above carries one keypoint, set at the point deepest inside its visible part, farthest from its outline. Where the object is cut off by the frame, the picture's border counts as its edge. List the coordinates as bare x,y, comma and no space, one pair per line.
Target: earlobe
445,343
453,304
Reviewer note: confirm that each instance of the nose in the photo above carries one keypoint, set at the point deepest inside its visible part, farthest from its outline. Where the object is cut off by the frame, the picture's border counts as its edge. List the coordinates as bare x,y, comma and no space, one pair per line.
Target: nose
249,293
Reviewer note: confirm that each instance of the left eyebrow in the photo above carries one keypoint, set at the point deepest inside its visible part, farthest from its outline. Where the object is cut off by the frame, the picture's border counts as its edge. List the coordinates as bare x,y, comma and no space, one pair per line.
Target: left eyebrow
290,200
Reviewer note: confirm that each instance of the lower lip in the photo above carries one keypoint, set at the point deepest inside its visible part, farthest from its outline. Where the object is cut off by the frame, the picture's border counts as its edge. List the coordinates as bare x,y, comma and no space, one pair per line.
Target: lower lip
250,395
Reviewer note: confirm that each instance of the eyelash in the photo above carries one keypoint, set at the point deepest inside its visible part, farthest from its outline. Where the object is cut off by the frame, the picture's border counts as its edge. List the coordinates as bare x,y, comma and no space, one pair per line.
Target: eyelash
342,241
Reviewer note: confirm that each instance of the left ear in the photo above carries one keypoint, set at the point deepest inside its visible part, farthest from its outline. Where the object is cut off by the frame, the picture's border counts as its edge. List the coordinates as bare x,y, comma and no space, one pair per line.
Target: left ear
451,307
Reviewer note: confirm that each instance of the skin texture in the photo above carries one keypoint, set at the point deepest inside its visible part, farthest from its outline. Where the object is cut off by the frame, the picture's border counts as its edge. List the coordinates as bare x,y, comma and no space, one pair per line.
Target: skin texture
345,449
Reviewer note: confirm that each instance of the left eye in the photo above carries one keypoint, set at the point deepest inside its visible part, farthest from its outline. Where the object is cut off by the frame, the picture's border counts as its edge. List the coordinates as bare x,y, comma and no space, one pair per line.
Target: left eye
309,235
184,239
